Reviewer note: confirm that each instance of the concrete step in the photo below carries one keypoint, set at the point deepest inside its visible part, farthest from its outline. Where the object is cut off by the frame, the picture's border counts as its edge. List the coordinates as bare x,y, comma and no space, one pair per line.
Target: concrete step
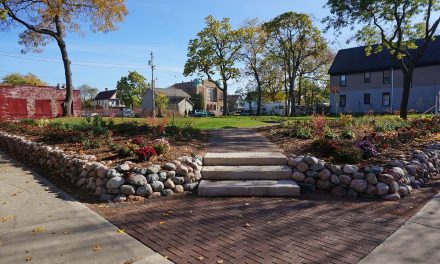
244,159
246,172
249,188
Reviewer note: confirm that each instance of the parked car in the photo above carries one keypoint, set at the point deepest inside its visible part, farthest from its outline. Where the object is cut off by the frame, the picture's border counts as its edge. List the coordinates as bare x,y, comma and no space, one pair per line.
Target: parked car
128,113
200,113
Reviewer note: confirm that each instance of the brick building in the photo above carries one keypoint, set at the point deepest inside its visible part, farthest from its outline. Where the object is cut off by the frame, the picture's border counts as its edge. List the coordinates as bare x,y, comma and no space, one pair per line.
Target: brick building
35,102
210,95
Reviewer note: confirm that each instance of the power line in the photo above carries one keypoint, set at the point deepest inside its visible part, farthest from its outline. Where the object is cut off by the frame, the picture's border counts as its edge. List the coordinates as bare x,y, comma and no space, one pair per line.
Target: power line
76,62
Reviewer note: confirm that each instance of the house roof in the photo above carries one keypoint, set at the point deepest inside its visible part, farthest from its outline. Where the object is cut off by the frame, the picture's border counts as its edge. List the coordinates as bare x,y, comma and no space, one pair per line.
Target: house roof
173,92
355,60
175,101
105,95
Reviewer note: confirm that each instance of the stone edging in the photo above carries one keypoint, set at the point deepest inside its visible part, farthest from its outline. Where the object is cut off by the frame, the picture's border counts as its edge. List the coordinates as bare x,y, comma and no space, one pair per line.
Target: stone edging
110,184
391,181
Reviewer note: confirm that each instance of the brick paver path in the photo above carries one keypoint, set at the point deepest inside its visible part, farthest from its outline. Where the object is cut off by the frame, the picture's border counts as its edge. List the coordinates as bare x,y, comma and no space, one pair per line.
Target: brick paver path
239,140
263,230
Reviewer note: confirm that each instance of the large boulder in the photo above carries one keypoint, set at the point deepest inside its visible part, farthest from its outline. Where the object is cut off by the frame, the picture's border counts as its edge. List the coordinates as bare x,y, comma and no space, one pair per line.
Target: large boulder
127,189
169,166
144,190
386,178
350,169
345,179
137,179
123,168
169,184
154,169
393,187
382,188
371,178
325,174
157,186
392,197
302,167
359,185
115,182
311,160
298,176
152,177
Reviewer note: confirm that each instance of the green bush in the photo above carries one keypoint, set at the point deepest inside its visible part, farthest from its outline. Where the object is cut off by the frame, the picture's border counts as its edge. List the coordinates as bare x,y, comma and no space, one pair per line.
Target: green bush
348,154
329,134
347,134
28,121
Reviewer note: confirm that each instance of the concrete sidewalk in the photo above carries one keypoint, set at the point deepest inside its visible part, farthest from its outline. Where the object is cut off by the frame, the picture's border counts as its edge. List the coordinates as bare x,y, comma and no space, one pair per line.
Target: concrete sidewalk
239,140
41,224
417,241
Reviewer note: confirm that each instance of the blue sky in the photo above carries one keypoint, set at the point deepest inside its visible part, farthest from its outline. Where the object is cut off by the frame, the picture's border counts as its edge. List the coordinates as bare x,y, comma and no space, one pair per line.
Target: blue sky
161,26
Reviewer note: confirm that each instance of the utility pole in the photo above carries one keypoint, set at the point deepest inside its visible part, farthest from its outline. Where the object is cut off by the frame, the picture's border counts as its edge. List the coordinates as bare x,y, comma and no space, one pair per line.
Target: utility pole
151,63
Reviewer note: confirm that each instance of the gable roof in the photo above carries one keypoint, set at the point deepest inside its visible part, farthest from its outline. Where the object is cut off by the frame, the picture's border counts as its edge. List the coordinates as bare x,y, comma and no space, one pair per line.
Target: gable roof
105,95
354,60
172,92
175,101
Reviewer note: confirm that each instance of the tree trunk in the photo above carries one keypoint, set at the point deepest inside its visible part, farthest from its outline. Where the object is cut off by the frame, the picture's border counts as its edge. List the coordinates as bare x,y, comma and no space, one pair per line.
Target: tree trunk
67,105
407,80
299,89
292,95
257,78
225,99
250,104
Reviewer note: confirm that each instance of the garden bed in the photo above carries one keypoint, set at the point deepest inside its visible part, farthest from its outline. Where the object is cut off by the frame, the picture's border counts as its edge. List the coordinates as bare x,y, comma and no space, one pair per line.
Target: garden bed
111,143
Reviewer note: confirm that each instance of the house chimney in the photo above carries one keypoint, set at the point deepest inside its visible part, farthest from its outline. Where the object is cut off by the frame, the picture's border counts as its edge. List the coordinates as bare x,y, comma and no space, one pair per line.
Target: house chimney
106,89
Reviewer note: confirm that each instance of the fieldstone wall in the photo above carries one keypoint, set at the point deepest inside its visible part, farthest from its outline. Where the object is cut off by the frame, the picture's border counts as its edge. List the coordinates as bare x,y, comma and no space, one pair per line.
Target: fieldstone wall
124,182
390,181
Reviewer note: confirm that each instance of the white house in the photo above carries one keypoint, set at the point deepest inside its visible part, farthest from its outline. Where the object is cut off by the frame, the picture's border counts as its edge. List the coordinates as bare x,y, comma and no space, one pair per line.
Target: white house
107,99
179,101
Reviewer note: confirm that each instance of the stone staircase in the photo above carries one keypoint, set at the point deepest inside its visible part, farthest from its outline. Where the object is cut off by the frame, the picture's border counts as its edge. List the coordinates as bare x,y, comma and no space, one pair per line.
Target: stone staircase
247,174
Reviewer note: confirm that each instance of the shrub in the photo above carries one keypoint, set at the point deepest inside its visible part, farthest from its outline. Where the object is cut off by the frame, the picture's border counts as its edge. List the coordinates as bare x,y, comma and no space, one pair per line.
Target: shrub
329,134
319,124
382,124
140,141
161,145
89,143
325,147
28,121
367,148
345,120
348,154
127,127
299,129
44,122
145,153
347,133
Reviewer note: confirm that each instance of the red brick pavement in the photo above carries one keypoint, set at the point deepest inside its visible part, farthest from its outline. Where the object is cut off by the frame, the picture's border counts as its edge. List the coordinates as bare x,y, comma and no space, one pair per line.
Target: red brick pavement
263,230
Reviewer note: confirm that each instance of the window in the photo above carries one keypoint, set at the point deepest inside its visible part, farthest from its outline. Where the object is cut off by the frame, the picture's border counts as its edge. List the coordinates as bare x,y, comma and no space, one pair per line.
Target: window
342,80
387,77
342,100
367,98
367,77
210,95
386,99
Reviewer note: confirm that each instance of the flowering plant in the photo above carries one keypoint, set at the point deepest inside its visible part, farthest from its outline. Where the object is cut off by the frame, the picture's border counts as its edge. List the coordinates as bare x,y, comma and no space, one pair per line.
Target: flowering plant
368,149
161,145
145,153
140,141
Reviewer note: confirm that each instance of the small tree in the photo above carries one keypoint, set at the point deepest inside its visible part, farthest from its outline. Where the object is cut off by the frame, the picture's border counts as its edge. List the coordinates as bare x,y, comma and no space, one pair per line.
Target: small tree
88,94
199,101
394,25
214,52
253,42
46,20
161,102
131,88
19,79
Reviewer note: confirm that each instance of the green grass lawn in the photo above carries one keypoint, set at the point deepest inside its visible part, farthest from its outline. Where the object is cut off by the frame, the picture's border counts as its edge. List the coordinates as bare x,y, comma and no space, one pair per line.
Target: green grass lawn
206,123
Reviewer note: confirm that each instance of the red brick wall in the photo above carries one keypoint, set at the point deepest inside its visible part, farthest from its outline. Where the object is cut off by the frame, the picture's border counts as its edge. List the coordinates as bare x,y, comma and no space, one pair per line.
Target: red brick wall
34,102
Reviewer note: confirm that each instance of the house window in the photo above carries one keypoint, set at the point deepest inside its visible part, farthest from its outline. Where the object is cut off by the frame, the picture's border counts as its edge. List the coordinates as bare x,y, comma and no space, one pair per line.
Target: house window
342,80
210,95
387,77
367,77
367,98
386,99
342,100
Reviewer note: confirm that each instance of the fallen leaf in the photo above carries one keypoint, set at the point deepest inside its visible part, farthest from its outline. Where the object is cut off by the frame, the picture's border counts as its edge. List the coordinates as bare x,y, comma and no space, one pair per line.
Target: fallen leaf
27,259
46,189
247,225
38,229
165,257
97,248
431,212
200,258
246,204
220,261
269,222
162,222
120,231
166,214
65,232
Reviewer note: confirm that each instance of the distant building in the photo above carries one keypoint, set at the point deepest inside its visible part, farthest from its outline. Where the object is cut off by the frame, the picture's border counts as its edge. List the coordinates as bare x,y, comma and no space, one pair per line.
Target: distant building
361,84
203,93
35,102
107,99
235,103
179,101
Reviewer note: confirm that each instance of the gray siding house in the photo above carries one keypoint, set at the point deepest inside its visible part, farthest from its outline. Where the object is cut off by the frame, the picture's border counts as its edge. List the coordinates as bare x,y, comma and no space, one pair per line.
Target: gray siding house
179,101
361,84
